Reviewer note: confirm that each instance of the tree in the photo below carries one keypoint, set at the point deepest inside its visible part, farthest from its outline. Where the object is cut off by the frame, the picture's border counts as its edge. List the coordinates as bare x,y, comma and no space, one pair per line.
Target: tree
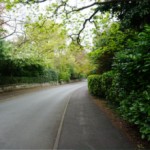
81,61
106,44
131,13
6,22
2,22
47,42
46,36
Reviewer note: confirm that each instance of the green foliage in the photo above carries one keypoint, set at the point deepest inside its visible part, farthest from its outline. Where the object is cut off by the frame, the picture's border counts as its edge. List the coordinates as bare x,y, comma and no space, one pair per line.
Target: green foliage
105,45
64,76
22,70
94,84
127,85
133,65
44,53
46,36
132,81
4,81
135,108
134,13
99,85
106,82
49,44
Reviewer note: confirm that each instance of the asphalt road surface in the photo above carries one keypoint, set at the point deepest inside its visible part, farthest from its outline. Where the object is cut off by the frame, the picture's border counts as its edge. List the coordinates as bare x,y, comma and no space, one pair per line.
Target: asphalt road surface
61,117
31,120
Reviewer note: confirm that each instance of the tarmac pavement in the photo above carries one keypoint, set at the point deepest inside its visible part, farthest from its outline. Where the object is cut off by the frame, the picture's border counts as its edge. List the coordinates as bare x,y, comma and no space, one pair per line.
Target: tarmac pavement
86,127
61,117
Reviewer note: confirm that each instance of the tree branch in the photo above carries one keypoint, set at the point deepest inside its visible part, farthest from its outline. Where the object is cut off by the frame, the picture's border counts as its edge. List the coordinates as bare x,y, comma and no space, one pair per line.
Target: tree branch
84,24
14,31
32,1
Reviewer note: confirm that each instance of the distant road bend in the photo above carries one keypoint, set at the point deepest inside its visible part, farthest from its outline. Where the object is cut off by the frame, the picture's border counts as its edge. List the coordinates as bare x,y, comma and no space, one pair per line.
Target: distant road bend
60,117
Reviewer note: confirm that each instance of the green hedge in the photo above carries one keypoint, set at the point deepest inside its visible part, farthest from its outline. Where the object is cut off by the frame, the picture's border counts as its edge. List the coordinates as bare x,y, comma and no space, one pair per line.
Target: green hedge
99,85
127,86
134,106
22,80
94,85
131,84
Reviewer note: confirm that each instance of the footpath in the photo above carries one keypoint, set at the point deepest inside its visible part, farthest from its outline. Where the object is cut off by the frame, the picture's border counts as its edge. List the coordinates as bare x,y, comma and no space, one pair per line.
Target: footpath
86,127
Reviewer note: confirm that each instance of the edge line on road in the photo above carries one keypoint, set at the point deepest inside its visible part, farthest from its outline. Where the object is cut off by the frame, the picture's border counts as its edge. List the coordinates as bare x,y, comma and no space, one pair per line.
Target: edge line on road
55,147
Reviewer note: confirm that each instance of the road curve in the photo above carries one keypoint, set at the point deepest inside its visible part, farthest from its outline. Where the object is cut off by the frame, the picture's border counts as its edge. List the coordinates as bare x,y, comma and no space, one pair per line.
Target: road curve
31,120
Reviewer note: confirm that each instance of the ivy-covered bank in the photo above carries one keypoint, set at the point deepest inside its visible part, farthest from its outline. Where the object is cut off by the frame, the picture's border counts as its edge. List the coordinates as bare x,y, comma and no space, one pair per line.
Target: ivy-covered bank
125,82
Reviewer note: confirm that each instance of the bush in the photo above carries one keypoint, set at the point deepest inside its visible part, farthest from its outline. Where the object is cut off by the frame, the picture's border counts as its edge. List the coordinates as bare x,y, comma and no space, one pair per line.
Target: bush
106,83
50,74
18,71
106,44
64,76
22,80
133,106
99,85
136,109
127,87
94,85
130,86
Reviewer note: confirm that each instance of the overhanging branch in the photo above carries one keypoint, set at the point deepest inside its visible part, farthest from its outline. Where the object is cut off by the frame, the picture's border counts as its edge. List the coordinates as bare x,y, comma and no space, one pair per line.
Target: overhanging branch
84,24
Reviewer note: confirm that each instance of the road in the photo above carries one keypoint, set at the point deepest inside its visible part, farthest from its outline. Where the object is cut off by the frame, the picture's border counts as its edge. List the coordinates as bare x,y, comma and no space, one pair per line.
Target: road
31,120
61,117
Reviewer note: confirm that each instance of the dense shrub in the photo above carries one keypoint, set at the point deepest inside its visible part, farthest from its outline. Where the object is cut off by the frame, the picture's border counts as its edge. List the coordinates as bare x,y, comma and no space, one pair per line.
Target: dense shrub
32,74
135,108
99,85
127,86
64,77
19,68
94,85
23,70
106,44
133,83
50,74
106,82
22,80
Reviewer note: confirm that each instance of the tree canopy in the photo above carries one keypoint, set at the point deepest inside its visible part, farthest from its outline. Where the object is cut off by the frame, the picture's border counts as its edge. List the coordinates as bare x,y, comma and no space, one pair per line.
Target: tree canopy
131,13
